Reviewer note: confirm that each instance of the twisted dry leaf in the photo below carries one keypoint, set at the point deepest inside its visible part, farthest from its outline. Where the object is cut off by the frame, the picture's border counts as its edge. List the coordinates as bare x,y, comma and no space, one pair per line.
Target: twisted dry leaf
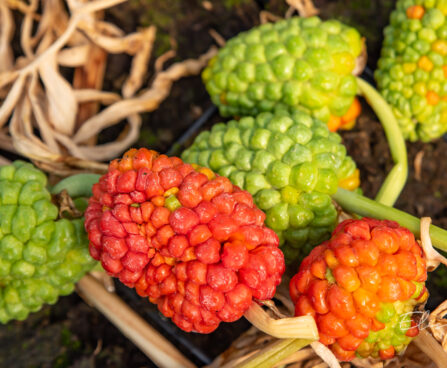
34,95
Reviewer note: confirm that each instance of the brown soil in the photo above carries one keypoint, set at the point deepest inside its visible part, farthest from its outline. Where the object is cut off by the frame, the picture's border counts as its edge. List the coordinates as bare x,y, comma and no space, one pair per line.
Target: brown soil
72,334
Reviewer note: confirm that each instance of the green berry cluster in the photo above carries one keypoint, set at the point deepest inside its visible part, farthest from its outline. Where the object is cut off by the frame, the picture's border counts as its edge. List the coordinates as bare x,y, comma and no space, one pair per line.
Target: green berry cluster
40,257
412,71
301,62
290,163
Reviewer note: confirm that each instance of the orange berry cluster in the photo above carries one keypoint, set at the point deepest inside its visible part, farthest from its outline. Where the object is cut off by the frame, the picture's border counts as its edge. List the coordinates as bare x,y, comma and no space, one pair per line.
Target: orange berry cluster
191,241
361,286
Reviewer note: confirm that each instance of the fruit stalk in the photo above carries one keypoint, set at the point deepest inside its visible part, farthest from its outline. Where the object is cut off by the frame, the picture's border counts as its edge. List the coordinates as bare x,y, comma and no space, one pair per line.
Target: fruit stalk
364,206
396,178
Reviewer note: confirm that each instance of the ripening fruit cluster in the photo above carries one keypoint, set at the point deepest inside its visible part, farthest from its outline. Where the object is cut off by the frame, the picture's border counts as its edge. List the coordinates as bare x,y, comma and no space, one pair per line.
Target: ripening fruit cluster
191,241
303,62
412,71
40,257
362,287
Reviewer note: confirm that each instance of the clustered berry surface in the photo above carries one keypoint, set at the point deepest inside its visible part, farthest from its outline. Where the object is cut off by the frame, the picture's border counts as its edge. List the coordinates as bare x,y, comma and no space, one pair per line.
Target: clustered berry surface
40,257
290,163
191,241
362,287
297,62
412,71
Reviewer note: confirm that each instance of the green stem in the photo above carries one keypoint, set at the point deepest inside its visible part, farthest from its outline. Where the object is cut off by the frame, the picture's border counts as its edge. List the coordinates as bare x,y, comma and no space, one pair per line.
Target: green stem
395,181
363,206
79,185
276,352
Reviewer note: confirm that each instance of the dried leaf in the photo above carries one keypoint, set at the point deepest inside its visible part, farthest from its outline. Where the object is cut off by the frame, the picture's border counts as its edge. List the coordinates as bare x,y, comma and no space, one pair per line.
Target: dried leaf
6,34
140,63
74,56
62,105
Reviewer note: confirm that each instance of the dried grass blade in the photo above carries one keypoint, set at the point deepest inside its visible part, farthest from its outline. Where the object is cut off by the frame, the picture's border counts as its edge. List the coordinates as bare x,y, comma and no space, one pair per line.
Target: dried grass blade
62,105
27,28
148,101
86,95
129,44
110,150
140,63
6,34
73,56
11,100
22,143
37,100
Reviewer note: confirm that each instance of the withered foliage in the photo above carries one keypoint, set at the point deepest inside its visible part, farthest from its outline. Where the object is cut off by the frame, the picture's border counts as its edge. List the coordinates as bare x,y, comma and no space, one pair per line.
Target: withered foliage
55,121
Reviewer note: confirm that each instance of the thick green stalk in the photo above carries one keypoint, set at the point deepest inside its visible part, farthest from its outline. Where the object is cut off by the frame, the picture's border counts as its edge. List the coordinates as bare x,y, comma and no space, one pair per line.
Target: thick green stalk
275,353
395,181
79,185
363,206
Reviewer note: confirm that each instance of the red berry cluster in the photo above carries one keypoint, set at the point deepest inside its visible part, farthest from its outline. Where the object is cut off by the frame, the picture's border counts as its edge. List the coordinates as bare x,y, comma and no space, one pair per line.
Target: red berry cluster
360,285
191,241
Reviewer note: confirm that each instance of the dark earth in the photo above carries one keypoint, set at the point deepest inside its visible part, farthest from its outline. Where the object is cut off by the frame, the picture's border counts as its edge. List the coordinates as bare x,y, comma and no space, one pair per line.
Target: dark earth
71,333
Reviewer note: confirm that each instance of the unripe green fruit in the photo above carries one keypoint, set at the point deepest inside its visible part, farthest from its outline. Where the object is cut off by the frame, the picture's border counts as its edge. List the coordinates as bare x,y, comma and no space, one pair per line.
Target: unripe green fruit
40,257
297,62
412,72
290,163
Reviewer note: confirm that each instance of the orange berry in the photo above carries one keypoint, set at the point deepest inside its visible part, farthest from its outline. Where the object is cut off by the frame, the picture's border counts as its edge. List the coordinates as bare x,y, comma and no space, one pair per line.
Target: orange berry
303,307
334,123
346,277
390,290
146,210
367,252
406,265
325,339
387,353
432,98
331,325
199,234
385,239
407,288
377,325
301,281
160,217
366,302
158,201
317,294
342,354
318,269
405,238
369,277
349,342
353,112
421,266
425,64
346,256
358,230
330,258
160,163
359,326
387,265
164,234
415,12
340,302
